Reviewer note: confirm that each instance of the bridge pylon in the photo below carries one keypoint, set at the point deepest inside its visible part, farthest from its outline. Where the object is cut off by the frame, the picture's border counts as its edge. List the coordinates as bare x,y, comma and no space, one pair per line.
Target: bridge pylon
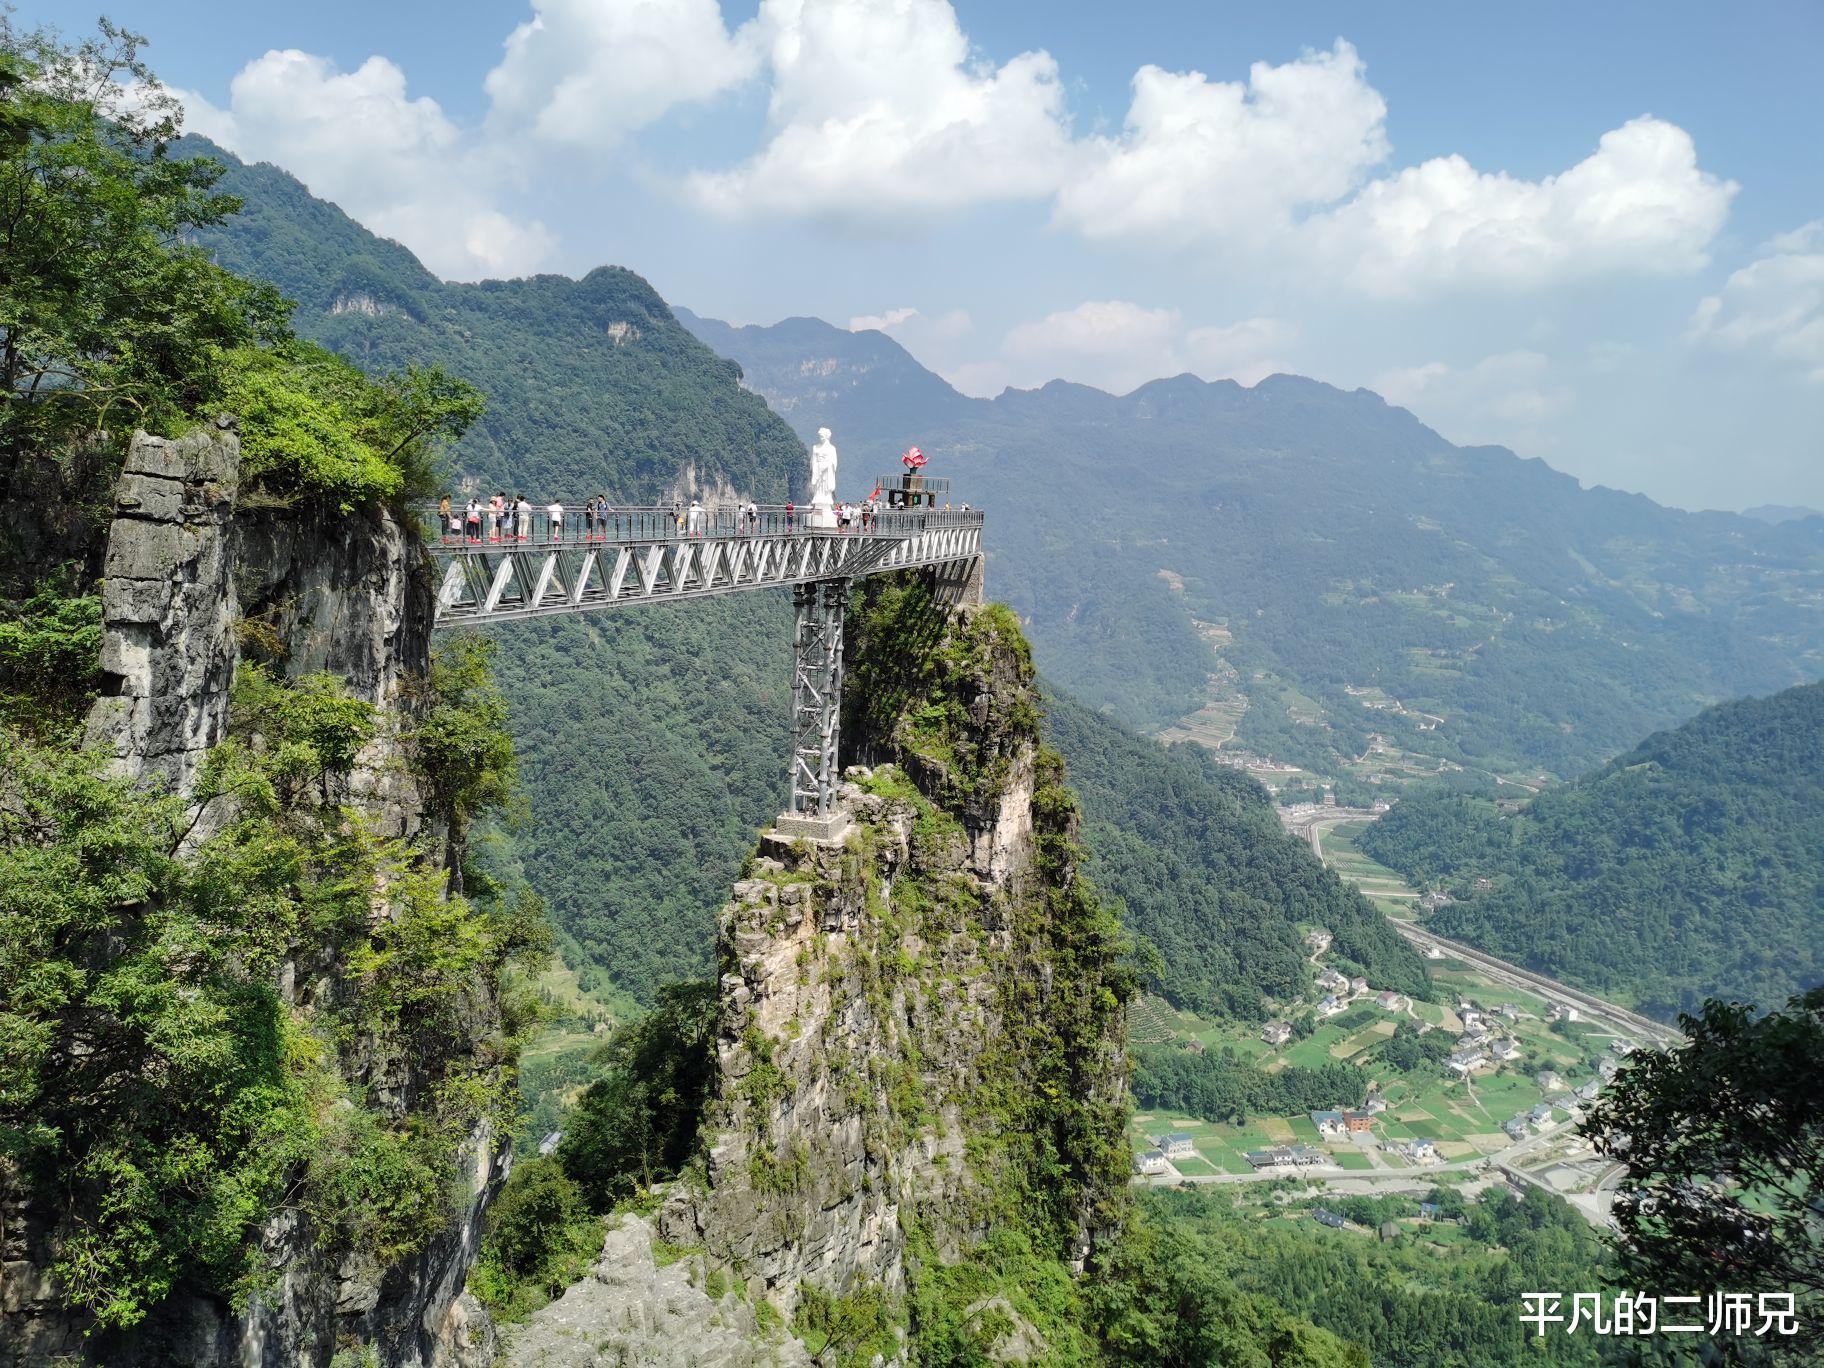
818,607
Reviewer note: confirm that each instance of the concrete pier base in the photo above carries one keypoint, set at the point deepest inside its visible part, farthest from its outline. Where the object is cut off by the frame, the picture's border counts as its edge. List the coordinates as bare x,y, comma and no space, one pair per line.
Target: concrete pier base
830,829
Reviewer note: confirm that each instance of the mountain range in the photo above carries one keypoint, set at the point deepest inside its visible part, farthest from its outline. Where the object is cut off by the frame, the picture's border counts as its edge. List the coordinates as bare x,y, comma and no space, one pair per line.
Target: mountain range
1313,574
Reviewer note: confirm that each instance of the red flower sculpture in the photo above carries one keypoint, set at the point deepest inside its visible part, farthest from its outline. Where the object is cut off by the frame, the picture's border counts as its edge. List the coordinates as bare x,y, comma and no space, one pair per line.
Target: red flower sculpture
914,458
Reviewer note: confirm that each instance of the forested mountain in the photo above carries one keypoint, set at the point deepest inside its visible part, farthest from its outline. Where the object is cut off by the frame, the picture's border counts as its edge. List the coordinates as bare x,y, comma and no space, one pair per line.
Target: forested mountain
1196,852
652,741
1355,575
1691,866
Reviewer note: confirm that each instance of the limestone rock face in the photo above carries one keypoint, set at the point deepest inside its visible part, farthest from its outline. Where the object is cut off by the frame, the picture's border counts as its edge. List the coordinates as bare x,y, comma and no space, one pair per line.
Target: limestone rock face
168,607
194,577
633,1310
878,1077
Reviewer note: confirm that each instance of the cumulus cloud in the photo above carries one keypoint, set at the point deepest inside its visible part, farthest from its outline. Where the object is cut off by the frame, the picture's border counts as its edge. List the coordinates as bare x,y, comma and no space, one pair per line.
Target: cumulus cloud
1502,398
879,114
1118,346
1638,205
1775,305
1202,159
585,73
396,163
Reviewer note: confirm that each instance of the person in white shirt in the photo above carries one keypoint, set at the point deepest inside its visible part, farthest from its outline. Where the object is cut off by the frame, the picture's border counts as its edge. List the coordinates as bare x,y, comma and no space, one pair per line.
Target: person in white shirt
695,525
555,511
524,511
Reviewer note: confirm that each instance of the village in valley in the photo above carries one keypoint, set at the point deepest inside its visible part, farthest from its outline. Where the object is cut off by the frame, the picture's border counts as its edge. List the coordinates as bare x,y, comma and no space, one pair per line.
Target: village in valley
1485,1088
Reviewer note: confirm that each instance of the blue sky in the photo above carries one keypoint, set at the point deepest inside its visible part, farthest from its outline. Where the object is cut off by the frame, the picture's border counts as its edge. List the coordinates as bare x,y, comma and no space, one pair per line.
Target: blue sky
1594,233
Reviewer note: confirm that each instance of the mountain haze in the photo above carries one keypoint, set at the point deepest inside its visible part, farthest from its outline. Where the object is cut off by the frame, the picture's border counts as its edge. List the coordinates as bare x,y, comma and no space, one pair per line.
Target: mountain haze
1325,565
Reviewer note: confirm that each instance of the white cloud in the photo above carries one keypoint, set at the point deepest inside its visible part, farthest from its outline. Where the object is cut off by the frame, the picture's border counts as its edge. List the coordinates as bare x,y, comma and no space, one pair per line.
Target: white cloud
914,329
1503,398
1638,205
397,164
881,322
1118,346
1203,160
880,115
584,73
1774,305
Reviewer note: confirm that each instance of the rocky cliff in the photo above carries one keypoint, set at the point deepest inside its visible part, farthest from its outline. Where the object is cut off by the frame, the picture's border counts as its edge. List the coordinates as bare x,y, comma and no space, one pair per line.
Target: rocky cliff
920,1039
199,580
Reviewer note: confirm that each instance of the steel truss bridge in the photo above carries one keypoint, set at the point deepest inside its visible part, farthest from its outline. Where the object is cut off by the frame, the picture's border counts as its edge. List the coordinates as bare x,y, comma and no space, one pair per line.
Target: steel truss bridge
582,563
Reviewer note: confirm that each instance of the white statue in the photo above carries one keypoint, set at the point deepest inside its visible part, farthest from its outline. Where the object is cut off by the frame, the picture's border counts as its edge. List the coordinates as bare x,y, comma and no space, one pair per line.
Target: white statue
823,482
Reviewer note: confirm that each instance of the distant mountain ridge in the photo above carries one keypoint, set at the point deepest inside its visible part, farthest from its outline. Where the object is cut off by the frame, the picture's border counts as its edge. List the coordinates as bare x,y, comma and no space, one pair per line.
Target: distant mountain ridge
1319,570
1780,513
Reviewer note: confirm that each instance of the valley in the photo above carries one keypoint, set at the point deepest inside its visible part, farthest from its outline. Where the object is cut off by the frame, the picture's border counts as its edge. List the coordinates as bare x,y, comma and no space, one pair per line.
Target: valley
1465,1118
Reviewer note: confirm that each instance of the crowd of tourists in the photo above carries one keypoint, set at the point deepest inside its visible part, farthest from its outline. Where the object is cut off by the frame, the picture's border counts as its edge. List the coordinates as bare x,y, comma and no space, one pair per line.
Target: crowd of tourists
515,519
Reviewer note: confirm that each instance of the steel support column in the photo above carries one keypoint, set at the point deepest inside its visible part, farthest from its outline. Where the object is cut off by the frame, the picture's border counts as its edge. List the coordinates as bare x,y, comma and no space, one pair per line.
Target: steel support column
816,694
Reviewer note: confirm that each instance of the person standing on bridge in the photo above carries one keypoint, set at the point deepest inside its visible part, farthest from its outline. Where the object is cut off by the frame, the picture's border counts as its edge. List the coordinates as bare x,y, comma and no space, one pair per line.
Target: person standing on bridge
523,509
696,519
496,507
445,520
472,520
602,514
791,518
555,511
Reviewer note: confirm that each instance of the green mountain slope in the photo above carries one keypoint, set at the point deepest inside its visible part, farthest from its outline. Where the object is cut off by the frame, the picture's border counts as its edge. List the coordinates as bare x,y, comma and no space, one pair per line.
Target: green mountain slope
652,742
1691,866
1326,566
1196,852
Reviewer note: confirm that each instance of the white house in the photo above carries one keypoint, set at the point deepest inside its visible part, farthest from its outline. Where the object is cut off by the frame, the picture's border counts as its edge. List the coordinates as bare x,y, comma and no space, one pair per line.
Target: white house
1329,1007
1178,1146
1562,1011
1465,1061
1276,1032
1151,1162
1505,1047
1318,940
1389,1000
1548,1080
1358,985
1330,1124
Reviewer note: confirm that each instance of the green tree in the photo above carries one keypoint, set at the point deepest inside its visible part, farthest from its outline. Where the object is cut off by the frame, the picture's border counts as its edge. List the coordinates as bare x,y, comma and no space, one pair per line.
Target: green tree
1723,1143
462,751
108,319
637,1123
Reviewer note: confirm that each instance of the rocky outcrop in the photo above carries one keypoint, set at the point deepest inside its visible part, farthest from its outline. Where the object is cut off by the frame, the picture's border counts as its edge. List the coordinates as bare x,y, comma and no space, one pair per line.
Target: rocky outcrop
168,606
192,579
635,1308
199,578
902,1030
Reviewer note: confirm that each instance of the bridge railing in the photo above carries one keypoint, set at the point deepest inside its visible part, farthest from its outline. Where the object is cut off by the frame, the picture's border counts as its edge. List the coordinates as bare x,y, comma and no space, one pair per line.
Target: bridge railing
580,525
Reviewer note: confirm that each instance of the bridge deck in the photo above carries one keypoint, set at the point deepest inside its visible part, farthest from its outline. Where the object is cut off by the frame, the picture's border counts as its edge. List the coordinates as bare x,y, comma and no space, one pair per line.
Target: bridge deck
646,555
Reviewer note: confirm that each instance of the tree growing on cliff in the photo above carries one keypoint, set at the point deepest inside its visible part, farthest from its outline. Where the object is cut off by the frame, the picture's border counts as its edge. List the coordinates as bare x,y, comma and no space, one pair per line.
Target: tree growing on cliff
112,318
462,751
108,320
